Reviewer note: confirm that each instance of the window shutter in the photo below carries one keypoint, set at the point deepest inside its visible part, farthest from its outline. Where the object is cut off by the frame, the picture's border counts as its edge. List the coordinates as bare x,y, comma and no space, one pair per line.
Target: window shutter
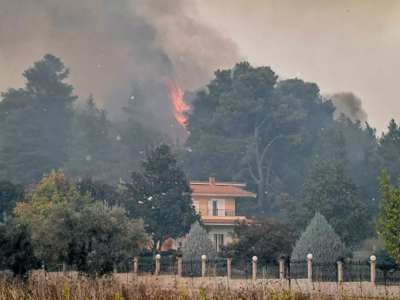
210,207
221,207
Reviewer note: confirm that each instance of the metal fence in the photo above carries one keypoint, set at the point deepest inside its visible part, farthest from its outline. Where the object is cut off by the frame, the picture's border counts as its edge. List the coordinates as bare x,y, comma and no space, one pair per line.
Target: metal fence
296,269
387,274
191,268
356,271
268,269
241,269
351,271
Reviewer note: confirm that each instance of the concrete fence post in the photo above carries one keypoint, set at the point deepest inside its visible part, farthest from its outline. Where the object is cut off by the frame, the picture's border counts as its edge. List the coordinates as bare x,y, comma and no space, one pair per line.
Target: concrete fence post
203,265
158,257
309,260
373,269
135,265
180,266
340,271
229,267
255,267
281,269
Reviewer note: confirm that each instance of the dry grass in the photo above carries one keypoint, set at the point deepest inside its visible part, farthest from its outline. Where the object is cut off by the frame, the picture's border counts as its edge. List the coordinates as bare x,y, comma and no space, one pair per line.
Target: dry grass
114,290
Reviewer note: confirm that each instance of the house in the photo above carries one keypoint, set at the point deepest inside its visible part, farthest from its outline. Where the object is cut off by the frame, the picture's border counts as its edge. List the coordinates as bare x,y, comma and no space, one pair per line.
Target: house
216,203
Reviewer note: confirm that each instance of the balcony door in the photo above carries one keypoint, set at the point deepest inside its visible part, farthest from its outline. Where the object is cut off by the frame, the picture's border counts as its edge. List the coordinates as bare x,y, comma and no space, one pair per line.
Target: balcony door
216,207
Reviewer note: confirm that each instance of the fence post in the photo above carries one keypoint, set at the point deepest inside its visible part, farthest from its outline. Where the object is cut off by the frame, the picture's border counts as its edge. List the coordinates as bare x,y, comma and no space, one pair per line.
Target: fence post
281,269
229,266
255,267
203,265
373,269
135,265
158,257
179,266
340,271
309,260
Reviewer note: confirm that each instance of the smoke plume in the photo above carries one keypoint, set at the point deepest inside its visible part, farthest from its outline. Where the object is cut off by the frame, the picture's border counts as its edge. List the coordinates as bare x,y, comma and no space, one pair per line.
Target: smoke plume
349,104
106,44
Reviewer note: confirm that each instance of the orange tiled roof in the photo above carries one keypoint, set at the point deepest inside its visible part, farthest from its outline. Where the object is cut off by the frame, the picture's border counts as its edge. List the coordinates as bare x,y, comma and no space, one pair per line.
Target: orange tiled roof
212,188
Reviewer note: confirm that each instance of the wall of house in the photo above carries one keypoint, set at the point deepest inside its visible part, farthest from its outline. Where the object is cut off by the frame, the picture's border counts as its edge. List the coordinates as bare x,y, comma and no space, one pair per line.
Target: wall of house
203,202
225,230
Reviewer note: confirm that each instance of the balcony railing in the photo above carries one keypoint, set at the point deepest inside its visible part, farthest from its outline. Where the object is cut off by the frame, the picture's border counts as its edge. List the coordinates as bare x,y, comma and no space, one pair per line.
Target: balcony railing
218,212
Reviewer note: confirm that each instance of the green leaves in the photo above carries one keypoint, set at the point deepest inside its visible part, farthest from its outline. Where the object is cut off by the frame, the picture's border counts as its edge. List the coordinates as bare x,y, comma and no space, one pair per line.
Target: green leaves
161,196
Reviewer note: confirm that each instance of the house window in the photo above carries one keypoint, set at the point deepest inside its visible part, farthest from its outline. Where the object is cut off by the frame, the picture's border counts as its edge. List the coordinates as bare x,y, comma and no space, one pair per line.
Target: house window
215,208
218,241
196,205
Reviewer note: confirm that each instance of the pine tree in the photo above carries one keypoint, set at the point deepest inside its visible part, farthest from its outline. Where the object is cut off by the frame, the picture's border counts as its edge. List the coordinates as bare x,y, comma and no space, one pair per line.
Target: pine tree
161,197
89,146
35,122
198,243
320,240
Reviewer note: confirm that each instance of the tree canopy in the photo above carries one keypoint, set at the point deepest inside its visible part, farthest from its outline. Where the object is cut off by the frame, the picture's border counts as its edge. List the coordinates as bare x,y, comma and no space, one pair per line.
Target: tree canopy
161,196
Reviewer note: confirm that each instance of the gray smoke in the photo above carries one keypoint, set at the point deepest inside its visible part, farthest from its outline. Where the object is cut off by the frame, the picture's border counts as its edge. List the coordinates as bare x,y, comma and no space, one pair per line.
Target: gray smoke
108,43
349,104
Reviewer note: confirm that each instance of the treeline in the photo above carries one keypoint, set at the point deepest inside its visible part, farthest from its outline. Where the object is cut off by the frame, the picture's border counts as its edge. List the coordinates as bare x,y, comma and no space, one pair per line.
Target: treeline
40,130
90,225
280,136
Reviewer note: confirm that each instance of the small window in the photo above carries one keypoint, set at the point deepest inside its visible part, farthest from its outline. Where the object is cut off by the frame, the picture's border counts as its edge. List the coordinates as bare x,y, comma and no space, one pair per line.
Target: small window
218,241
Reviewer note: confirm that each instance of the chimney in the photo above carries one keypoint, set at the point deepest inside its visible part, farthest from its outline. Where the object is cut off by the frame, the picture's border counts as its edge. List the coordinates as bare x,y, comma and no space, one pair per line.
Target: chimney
212,180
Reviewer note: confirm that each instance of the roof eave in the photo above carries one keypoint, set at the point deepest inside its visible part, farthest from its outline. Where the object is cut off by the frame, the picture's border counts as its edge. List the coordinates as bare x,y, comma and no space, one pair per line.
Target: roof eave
224,195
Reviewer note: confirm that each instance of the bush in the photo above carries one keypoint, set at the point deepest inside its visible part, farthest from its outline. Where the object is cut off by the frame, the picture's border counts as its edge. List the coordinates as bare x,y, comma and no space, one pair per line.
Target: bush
267,239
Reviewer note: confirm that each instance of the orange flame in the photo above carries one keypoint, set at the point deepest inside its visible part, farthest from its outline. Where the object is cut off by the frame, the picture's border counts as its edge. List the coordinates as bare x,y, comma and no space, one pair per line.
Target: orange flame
180,106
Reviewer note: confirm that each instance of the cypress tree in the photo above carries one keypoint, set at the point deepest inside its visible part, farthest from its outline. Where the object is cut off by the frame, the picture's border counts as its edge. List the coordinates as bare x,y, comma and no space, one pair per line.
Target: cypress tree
197,243
320,240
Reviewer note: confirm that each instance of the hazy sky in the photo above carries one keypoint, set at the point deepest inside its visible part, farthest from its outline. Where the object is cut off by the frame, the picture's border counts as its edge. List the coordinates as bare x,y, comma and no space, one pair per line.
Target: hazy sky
343,46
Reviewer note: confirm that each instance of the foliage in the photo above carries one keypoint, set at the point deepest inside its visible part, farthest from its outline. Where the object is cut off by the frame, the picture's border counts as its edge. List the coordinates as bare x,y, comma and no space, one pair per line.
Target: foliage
331,191
89,146
321,241
10,194
388,223
198,243
161,196
35,121
68,227
16,248
266,239
100,191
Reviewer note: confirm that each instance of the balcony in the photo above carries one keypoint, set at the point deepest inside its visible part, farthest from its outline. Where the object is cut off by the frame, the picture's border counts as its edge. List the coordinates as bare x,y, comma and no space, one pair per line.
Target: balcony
218,213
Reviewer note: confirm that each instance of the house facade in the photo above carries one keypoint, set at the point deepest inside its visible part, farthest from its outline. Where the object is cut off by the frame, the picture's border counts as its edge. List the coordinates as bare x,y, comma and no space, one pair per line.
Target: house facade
216,203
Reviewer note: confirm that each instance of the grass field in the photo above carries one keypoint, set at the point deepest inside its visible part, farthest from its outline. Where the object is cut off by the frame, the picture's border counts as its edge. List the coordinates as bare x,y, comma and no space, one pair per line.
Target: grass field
114,290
